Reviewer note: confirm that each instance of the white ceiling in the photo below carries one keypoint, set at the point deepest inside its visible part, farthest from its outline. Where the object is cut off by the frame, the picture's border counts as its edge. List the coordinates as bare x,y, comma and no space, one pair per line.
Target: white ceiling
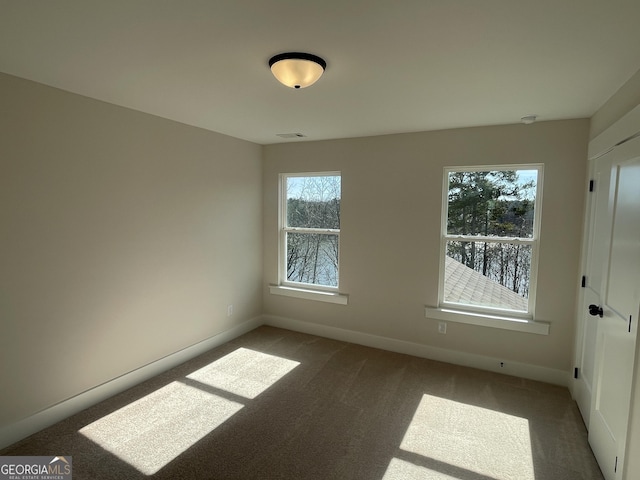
392,66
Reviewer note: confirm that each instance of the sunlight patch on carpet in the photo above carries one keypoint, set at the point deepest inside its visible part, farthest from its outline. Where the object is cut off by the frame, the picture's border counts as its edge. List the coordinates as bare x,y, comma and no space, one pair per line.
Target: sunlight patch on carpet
444,433
152,431
244,372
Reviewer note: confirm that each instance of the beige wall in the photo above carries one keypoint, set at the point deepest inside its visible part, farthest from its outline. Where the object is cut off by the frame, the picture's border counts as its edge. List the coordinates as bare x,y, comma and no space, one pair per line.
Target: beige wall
123,238
623,101
391,206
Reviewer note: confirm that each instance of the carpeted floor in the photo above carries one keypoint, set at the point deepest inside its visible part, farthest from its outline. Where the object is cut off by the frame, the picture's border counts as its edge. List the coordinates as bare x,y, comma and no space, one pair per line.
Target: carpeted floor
276,404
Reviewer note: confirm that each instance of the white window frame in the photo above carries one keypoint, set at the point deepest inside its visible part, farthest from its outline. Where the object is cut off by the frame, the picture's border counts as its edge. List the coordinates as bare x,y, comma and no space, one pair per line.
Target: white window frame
486,315
285,287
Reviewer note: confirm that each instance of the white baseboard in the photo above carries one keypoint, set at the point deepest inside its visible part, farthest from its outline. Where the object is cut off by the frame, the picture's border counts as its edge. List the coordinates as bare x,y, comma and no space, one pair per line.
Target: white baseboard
523,370
23,428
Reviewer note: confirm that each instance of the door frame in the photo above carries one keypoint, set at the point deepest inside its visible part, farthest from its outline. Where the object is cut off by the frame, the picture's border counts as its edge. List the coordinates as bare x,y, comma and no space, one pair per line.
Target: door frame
625,129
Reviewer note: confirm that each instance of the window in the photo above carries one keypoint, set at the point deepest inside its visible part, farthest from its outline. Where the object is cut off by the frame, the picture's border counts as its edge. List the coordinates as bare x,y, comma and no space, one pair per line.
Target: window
310,230
490,224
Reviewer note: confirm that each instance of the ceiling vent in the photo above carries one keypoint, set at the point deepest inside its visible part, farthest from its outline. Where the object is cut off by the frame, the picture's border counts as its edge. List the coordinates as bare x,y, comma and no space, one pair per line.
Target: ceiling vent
528,119
290,135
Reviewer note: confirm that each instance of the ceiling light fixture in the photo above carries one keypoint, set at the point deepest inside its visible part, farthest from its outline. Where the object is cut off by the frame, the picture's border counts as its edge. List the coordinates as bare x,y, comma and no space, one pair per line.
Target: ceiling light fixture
296,69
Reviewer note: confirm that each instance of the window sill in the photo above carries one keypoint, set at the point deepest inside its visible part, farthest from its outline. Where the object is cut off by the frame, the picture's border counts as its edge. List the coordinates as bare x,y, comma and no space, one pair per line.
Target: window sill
318,295
487,320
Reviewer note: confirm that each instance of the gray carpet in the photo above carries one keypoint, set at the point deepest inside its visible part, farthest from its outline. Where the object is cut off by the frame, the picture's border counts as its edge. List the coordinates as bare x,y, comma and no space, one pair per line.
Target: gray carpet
276,404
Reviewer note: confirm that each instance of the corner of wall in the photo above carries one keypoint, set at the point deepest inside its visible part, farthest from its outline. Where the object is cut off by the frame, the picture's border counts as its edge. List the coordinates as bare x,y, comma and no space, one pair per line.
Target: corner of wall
623,101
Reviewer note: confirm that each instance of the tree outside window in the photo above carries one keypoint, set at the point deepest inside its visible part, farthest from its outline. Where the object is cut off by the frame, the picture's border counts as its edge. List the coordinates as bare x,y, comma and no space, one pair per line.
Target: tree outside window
310,230
490,237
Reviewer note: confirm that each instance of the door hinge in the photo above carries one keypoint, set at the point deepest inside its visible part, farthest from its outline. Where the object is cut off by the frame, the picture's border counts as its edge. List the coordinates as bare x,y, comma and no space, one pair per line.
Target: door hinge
630,316
615,467
591,184
583,283
575,372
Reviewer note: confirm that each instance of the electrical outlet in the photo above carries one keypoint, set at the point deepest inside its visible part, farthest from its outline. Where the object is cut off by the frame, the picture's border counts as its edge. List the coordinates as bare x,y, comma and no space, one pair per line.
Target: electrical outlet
442,327
501,364
229,310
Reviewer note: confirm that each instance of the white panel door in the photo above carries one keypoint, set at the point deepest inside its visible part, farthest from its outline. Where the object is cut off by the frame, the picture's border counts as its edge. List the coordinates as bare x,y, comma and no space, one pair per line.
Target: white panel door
619,301
597,226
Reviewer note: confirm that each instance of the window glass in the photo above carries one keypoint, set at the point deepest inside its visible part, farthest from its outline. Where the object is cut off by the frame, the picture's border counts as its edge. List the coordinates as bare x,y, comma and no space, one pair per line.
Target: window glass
311,230
490,238
312,258
313,202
